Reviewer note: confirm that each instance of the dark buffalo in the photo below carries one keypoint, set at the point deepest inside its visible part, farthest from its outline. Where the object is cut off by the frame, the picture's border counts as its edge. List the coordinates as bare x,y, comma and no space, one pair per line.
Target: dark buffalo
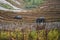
40,20
18,17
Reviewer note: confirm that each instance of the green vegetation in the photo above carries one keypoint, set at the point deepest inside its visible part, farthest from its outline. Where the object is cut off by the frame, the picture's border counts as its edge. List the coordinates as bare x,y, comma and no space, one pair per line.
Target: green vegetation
12,2
6,6
53,34
32,3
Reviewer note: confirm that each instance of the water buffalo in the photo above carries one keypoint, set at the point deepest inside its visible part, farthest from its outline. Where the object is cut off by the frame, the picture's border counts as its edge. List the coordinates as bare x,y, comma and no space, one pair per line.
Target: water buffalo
18,17
40,20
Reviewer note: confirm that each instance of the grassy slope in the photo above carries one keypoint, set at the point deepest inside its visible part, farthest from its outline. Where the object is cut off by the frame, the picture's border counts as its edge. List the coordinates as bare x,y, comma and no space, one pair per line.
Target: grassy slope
6,6
13,3
32,3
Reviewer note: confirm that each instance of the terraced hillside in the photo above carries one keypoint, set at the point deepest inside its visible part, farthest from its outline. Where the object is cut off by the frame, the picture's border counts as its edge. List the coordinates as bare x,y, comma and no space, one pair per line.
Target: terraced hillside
49,9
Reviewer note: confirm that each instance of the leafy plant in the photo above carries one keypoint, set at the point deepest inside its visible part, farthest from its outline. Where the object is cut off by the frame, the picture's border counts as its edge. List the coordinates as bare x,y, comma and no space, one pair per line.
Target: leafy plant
53,35
33,35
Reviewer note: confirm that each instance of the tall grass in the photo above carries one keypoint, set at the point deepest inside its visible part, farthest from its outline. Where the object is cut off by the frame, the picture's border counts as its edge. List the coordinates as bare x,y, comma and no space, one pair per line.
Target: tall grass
53,34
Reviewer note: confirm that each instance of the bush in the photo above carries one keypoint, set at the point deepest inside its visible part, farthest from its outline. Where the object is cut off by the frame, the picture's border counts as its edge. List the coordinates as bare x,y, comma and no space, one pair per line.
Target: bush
53,34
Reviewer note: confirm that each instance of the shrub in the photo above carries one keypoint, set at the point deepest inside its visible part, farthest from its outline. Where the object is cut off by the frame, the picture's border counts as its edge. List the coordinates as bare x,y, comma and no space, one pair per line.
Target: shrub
53,34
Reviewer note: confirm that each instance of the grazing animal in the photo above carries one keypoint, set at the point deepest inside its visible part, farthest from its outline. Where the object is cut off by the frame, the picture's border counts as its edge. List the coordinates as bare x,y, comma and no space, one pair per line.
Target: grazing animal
18,17
40,20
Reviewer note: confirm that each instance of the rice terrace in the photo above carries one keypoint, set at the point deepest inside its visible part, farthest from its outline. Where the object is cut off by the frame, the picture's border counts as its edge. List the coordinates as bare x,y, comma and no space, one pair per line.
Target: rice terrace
29,19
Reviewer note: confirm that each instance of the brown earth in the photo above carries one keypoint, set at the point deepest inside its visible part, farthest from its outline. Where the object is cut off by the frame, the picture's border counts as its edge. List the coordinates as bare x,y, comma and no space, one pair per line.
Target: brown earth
50,10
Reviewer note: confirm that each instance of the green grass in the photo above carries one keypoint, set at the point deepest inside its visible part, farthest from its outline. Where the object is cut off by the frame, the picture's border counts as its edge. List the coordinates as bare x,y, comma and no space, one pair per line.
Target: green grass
28,4
6,6
32,3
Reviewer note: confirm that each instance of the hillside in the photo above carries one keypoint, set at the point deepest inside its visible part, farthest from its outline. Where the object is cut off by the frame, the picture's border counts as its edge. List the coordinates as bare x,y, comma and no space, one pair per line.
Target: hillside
49,9
19,5
18,19
6,5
